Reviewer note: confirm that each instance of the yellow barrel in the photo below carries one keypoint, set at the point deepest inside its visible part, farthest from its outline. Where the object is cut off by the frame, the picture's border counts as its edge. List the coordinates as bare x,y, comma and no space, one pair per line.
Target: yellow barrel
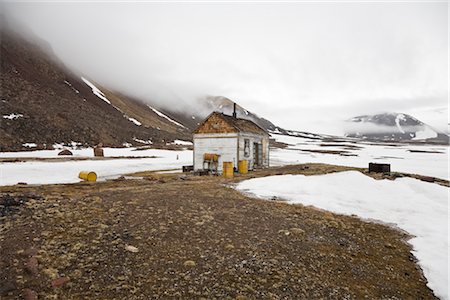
243,167
211,157
88,176
228,169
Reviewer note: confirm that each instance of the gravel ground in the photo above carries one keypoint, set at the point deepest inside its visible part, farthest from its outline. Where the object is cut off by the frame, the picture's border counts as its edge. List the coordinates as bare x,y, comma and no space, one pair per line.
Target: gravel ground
178,236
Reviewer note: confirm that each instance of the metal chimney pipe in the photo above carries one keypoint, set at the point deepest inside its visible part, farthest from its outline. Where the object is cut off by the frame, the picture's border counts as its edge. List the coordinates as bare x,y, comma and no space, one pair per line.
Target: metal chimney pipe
234,110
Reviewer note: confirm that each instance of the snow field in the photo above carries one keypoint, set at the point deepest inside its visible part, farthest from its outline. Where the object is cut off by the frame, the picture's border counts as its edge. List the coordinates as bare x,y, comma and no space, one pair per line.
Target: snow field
49,172
420,208
399,156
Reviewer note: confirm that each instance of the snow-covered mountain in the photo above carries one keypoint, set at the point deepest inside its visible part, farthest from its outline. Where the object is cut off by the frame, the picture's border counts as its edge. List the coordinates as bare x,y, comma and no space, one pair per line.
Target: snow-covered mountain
392,127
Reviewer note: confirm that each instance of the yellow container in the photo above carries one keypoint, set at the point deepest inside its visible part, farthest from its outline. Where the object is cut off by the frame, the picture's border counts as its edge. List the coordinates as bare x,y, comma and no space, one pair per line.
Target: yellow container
88,176
243,167
211,157
228,171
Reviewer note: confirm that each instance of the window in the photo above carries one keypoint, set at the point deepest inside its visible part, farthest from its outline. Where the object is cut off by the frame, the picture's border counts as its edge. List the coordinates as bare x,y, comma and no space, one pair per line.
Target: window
246,147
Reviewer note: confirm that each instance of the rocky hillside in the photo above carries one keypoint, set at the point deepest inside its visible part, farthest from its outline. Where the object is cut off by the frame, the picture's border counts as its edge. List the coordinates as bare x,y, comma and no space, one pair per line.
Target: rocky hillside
43,103
392,127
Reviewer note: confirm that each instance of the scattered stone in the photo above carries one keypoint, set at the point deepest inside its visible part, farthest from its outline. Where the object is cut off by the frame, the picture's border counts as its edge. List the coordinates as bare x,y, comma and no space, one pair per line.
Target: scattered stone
60,281
284,231
389,245
189,263
6,287
65,152
32,266
29,294
51,272
121,178
229,247
297,231
30,251
131,248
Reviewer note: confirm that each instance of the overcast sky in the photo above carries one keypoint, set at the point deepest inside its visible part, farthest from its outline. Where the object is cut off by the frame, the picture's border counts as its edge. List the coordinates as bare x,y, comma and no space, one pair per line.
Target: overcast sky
304,66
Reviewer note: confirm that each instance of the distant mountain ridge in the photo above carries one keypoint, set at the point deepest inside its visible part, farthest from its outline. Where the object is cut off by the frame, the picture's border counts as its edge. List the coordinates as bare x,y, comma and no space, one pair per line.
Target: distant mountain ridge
392,127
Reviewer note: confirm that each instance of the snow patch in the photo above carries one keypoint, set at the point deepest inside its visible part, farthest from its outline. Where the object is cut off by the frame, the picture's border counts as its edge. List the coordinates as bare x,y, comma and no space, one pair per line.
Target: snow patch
181,142
164,116
51,172
12,116
96,91
428,164
136,122
149,142
398,118
30,145
426,133
417,207
70,85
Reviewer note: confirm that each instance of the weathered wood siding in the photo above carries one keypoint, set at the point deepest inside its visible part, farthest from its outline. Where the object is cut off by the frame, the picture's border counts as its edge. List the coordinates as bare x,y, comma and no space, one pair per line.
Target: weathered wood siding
224,144
215,124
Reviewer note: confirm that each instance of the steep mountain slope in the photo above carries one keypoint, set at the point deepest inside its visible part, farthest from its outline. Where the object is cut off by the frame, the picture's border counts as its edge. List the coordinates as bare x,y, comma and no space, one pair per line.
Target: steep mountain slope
43,103
392,127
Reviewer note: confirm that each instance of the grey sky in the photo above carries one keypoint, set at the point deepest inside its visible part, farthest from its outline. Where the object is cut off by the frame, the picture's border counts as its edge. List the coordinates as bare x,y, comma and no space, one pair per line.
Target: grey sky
304,66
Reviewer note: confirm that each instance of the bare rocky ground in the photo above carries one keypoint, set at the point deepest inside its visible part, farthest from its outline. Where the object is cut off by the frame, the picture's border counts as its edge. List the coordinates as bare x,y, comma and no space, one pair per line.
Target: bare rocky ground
185,237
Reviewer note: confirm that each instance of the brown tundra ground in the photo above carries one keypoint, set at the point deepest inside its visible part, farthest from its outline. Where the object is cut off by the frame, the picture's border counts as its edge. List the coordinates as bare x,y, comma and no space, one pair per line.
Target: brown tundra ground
186,237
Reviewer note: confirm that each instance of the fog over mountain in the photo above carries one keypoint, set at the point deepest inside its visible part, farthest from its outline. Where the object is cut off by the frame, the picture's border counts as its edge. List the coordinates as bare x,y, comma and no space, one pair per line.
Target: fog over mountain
305,66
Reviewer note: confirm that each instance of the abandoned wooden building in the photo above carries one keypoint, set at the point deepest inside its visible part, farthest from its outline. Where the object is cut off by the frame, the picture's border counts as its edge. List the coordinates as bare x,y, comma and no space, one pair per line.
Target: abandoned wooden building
222,138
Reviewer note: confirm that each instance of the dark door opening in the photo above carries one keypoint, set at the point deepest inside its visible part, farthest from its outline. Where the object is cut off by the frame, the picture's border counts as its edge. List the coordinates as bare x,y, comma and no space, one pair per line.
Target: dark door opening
256,155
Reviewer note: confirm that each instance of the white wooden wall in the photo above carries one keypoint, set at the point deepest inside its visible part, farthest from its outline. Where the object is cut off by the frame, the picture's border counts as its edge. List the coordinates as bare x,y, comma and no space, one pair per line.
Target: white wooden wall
253,138
224,144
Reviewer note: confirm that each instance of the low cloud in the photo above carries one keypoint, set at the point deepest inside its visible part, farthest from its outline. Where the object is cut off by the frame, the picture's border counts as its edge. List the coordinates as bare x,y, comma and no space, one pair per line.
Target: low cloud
304,66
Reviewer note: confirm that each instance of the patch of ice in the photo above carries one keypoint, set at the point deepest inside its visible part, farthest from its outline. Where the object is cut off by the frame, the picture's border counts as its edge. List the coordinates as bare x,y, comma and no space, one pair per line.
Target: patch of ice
417,207
164,116
96,91
12,116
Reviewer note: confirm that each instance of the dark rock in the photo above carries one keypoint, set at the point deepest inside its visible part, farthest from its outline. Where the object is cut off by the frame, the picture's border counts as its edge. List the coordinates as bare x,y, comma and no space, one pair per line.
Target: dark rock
32,266
30,251
428,179
58,282
65,152
379,168
29,294
6,287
